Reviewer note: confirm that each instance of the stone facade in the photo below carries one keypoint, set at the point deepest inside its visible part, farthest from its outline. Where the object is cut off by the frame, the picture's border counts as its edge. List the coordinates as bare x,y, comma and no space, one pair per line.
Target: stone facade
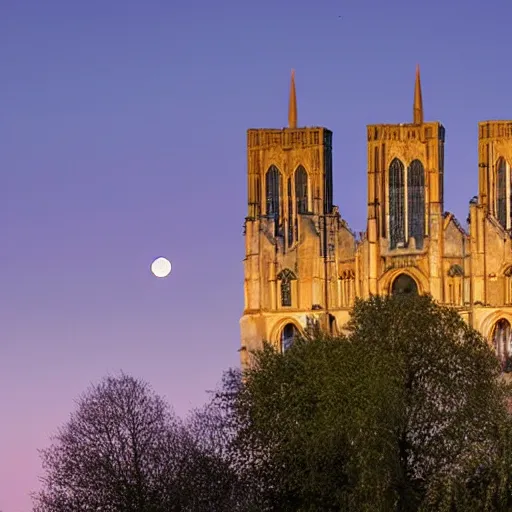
304,266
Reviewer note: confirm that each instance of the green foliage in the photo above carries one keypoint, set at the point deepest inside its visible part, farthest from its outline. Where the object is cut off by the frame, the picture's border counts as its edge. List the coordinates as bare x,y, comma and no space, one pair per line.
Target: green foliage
405,412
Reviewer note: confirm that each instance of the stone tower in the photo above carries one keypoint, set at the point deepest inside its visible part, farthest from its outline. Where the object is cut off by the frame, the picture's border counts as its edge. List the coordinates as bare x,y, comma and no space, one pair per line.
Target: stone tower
291,232
490,237
405,230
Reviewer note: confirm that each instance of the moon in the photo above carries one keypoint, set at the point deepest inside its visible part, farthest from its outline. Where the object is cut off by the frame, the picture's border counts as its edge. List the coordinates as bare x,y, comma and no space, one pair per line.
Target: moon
161,267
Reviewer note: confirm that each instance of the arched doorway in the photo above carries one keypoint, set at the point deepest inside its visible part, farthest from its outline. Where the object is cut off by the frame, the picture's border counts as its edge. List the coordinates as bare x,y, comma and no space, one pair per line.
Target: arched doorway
288,335
501,339
404,284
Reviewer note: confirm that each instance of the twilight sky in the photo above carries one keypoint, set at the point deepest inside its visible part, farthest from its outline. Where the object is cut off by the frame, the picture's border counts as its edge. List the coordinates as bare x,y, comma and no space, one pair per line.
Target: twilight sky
122,128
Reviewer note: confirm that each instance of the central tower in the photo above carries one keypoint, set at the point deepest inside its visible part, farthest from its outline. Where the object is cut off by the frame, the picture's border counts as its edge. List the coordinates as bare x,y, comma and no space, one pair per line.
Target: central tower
405,203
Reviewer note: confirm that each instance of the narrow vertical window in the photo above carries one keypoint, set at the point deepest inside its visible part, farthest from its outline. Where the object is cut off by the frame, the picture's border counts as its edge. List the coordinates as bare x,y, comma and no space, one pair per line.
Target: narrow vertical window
416,202
258,194
286,277
301,189
290,213
286,293
272,180
396,204
501,192
508,285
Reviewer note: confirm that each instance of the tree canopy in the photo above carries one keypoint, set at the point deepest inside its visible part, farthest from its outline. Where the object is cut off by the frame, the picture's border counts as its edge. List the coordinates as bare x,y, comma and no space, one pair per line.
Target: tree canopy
403,412
124,451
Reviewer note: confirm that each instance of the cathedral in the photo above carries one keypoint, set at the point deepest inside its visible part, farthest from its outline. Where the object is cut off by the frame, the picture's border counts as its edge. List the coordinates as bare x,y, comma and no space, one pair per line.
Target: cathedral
304,266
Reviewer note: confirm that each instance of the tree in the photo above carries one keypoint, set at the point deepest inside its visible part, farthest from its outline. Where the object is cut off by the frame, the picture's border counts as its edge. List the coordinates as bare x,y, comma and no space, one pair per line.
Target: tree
121,451
405,412
452,429
311,430
217,483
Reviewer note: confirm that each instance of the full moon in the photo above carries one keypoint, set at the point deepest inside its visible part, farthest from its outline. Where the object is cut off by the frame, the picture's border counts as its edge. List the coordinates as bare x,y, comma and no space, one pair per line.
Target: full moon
161,267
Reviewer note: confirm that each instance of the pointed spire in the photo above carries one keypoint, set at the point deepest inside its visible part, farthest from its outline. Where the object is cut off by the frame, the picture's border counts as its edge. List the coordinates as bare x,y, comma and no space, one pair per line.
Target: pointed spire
292,106
418,101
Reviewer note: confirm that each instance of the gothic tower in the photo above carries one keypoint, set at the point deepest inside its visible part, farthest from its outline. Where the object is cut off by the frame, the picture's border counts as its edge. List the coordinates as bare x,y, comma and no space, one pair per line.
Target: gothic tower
291,232
403,250
490,235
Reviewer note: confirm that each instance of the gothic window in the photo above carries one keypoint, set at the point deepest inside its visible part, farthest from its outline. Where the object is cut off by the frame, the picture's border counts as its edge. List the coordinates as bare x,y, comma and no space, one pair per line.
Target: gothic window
301,189
288,336
347,286
416,202
272,185
501,192
396,204
258,193
290,213
404,284
286,277
501,339
508,285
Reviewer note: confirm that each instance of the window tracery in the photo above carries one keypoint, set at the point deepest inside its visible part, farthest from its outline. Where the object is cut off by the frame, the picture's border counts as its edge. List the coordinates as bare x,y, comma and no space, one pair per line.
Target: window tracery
501,192
406,204
272,188
301,189
290,213
416,202
286,277
396,204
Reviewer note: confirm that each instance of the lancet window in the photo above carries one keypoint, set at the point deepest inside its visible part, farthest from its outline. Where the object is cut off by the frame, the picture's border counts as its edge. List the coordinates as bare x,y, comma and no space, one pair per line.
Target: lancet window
301,189
501,194
416,202
406,204
286,277
272,188
396,204
290,213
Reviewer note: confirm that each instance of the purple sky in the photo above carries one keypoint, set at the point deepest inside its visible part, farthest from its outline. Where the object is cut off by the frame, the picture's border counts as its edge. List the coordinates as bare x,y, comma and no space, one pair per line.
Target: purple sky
123,138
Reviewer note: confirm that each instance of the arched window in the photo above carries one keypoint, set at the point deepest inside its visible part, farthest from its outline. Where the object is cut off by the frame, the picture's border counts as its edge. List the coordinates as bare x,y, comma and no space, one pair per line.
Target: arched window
301,189
272,185
288,336
501,192
416,202
396,204
258,194
290,213
501,338
404,284
286,277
